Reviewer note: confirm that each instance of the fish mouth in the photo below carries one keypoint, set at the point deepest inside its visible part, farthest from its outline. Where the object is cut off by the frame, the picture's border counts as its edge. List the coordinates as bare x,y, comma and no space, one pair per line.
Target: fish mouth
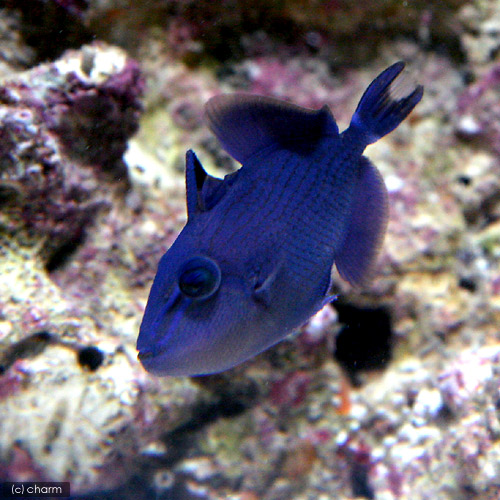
149,361
145,355
148,358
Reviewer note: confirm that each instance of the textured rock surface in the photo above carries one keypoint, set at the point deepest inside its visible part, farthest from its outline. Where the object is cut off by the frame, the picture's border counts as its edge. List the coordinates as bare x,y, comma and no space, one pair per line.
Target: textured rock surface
81,233
14,52
65,127
231,28
67,414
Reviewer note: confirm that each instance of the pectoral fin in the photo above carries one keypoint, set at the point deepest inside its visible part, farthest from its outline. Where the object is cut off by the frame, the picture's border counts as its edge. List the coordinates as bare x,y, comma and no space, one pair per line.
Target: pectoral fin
264,281
366,228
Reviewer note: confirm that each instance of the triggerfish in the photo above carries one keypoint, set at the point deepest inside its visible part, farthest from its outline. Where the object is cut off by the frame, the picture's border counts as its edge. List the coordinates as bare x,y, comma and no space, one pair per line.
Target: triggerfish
254,261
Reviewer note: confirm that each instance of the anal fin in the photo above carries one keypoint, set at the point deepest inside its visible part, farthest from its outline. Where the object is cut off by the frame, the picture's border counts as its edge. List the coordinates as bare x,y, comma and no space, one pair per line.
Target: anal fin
366,227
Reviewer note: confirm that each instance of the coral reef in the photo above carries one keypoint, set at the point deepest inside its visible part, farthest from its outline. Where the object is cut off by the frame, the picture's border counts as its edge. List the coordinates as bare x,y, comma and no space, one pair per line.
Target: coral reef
64,130
232,28
65,366
14,53
391,393
50,27
194,31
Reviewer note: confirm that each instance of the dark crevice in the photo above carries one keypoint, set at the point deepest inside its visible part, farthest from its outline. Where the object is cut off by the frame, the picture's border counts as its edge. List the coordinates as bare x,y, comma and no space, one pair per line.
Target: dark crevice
232,401
484,213
29,347
62,255
468,284
51,27
365,340
90,357
359,476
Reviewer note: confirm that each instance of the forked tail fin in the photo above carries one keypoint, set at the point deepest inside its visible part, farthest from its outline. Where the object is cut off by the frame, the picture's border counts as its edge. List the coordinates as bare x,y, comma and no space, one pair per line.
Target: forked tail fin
381,109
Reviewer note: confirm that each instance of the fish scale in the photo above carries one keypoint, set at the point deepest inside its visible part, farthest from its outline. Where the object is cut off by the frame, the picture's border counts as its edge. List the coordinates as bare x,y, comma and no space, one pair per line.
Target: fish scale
256,224
323,210
254,260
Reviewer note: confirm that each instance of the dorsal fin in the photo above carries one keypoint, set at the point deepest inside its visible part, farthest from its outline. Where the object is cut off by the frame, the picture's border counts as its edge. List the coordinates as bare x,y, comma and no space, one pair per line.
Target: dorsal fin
203,191
246,124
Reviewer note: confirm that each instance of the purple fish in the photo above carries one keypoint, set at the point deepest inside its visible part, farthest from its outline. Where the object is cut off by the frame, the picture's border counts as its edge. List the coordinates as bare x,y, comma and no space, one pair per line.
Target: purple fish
254,261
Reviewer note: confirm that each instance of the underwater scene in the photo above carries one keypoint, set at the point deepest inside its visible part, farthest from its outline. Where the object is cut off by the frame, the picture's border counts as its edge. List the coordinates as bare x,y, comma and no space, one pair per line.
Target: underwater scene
250,250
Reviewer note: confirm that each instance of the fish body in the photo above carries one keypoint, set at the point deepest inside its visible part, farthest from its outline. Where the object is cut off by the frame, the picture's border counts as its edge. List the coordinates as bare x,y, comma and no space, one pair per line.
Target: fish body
254,261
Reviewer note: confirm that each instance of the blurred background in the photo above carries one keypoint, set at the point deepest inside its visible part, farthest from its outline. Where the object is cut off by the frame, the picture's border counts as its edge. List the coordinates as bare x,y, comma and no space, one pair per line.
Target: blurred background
391,392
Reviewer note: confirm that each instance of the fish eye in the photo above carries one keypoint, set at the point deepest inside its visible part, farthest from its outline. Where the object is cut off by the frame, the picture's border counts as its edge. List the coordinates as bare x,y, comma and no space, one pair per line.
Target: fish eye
199,278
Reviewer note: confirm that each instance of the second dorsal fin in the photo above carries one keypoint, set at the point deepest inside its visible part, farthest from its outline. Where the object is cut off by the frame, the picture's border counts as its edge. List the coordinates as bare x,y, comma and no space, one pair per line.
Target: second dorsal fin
246,124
